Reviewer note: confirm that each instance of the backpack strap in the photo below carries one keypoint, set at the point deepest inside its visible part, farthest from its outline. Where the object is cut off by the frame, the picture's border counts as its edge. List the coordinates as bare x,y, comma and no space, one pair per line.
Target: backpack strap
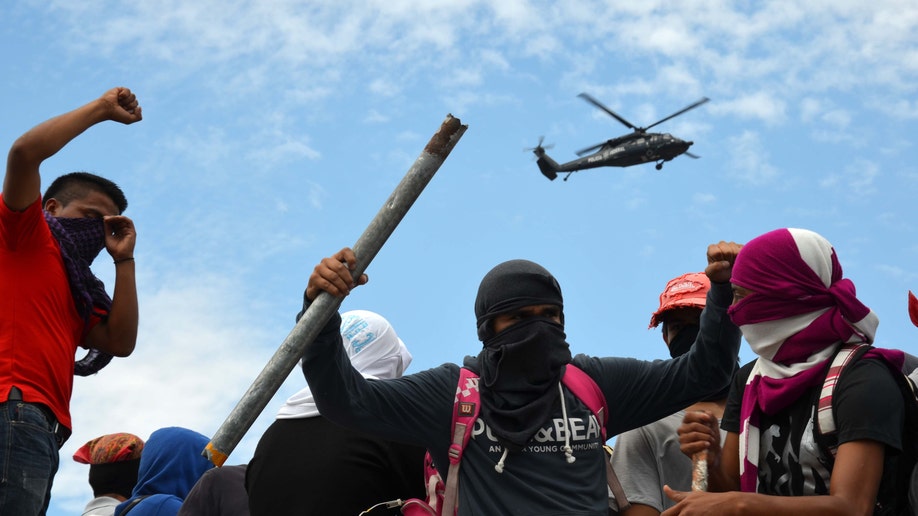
824,425
465,412
825,419
133,504
586,390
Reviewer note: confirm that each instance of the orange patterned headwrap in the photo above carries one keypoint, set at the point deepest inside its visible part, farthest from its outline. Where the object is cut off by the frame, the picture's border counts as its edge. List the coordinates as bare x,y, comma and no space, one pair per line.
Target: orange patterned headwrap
110,448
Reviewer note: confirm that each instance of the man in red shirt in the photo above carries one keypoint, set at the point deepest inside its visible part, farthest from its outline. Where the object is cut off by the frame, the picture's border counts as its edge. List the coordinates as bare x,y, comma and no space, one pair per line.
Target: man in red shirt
50,302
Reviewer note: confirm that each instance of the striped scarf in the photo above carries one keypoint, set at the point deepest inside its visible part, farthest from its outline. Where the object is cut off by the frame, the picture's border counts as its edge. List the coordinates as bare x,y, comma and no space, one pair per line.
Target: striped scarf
800,311
81,240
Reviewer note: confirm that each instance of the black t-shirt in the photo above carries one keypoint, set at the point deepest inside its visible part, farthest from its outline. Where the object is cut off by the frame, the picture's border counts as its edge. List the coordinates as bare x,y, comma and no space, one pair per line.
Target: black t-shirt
867,404
311,466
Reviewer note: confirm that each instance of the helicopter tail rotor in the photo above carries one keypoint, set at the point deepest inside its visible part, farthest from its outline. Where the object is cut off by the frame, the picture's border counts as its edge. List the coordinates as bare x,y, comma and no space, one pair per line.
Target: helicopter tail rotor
547,166
539,149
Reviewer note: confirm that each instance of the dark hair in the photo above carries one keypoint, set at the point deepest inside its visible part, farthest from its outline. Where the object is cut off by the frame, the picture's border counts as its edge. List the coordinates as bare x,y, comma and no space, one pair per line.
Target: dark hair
114,477
77,185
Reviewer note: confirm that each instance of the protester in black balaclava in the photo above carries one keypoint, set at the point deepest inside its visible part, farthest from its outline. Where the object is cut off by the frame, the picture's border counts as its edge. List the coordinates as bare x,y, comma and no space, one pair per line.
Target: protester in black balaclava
520,365
511,399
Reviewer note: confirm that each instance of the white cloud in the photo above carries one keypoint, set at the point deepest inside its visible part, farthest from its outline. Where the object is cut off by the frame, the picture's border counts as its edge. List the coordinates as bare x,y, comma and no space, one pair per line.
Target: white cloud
856,180
775,46
704,198
810,108
749,159
761,105
896,273
384,87
375,117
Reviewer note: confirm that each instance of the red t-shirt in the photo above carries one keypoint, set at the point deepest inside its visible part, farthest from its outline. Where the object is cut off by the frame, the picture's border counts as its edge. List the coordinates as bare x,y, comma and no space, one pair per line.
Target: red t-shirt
40,327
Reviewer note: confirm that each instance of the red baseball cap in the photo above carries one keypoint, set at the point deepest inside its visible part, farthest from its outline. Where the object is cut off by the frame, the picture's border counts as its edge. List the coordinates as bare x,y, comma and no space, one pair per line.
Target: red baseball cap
687,291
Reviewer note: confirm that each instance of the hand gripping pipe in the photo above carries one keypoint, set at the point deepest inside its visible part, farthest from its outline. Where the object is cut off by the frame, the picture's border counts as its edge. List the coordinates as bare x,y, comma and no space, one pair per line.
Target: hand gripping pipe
368,245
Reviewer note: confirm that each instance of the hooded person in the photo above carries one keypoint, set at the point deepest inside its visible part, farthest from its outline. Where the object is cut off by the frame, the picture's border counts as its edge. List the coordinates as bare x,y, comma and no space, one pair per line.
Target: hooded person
170,465
536,448
796,310
113,461
302,448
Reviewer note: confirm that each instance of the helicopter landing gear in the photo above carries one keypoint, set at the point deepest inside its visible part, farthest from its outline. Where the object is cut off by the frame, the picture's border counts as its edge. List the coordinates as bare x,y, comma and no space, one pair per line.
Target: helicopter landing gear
659,165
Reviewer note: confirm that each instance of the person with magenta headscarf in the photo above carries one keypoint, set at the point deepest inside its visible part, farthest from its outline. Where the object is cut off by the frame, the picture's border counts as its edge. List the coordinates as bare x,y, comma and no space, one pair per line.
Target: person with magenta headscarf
796,310
536,449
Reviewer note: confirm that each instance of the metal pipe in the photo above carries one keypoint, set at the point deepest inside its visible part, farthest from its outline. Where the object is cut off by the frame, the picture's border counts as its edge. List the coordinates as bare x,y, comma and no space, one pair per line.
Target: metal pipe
700,471
368,245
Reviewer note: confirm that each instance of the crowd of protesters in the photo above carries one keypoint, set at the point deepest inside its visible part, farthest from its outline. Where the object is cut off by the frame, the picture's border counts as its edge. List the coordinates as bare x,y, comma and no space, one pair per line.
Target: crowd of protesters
355,439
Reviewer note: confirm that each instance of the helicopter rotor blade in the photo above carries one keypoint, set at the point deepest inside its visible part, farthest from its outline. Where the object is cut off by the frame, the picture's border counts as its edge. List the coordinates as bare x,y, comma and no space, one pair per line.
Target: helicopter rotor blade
689,154
613,114
590,149
677,113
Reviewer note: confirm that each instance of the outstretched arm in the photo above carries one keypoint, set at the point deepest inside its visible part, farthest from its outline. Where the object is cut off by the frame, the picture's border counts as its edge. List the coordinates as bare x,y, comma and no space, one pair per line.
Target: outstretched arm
22,183
401,409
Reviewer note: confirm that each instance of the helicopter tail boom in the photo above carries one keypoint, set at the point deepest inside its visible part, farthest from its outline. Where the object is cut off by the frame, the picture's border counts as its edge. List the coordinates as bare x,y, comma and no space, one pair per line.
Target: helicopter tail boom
548,166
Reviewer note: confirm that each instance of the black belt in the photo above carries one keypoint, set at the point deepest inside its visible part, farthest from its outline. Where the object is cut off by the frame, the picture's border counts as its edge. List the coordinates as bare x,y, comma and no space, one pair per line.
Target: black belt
61,432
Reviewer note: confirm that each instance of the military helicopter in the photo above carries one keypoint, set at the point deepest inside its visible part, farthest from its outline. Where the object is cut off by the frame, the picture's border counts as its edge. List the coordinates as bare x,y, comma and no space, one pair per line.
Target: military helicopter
623,151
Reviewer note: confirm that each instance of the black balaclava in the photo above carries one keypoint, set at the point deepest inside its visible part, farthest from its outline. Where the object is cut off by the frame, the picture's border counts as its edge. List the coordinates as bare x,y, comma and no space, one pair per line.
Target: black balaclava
684,340
520,367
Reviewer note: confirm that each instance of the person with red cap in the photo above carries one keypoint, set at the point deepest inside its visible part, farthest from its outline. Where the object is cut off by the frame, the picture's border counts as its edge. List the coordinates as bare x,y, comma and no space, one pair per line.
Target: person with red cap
649,457
113,462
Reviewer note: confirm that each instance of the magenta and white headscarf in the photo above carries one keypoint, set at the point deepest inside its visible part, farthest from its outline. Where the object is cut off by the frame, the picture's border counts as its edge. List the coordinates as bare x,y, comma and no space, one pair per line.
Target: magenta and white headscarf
801,310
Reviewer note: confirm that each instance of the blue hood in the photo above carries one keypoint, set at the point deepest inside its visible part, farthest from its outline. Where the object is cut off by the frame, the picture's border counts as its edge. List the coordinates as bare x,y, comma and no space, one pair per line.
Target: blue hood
170,464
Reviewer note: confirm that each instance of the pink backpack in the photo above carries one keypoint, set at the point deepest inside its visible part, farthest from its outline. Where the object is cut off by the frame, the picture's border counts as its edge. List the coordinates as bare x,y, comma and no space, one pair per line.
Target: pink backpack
441,498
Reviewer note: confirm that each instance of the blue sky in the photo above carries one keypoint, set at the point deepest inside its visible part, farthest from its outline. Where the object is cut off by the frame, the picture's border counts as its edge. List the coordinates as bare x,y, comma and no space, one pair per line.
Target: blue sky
274,131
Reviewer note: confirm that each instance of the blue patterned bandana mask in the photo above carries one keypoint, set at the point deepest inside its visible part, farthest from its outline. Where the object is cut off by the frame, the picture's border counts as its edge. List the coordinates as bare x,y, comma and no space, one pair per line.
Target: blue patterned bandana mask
81,240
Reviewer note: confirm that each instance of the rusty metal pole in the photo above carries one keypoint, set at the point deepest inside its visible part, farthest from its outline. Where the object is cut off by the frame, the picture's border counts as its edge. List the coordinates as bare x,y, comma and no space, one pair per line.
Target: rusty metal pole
368,245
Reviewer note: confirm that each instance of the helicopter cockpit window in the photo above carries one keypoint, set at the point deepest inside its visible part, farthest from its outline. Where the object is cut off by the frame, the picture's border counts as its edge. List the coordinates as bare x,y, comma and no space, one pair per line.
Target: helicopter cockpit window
667,136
